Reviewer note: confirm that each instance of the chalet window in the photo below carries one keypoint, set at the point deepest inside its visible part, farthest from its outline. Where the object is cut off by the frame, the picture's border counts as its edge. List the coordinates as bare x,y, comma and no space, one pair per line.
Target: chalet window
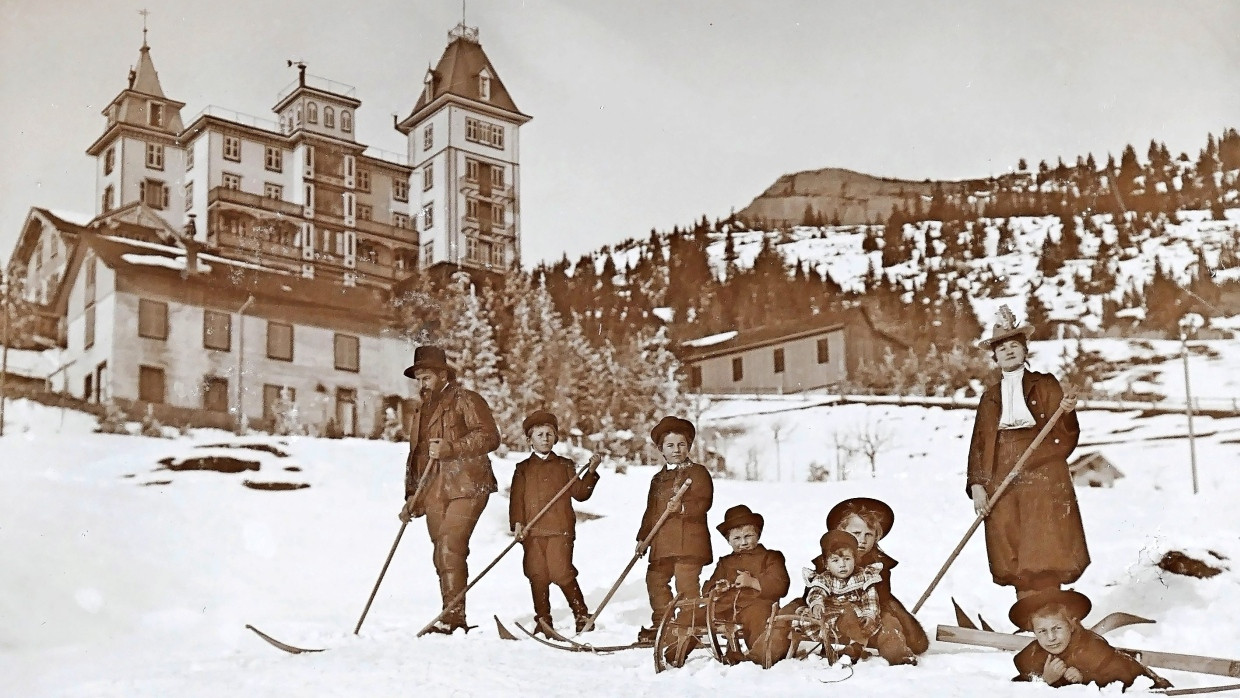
329,117
90,325
428,137
232,148
230,180
778,356
189,195
312,113
155,156
738,368
152,319
109,160
824,351
428,176
215,394
346,121
153,193
274,159
271,395
428,216
273,191
279,341
363,180
400,190
151,384
109,194
216,330
154,114
346,350
695,377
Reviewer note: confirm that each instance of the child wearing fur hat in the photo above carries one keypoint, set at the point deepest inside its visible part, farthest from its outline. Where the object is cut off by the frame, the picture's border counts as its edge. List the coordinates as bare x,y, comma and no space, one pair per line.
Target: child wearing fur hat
1065,653
548,542
846,596
681,547
752,579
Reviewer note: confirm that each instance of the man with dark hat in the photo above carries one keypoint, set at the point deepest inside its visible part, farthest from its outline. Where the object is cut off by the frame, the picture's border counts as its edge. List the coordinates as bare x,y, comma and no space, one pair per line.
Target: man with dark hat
681,547
450,435
548,542
751,580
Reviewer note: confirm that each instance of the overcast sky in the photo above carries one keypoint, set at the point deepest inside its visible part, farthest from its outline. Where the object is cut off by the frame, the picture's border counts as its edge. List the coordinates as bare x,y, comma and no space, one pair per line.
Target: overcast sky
649,113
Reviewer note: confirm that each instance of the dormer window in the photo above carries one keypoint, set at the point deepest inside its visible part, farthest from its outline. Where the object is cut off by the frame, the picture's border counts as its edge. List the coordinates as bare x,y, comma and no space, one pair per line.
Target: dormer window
329,117
154,114
346,121
312,113
428,86
484,85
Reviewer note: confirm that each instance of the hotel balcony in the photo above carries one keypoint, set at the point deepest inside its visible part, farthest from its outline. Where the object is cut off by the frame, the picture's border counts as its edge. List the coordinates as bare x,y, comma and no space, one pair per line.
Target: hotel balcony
252,201
491,192
500,232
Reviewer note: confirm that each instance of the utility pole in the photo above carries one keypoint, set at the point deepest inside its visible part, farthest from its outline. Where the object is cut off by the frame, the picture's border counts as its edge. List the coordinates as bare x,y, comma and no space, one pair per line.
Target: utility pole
241,421
1189,323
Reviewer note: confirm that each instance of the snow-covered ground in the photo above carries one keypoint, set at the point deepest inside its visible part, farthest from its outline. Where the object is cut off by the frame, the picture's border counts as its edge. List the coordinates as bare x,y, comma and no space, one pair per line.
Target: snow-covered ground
115,585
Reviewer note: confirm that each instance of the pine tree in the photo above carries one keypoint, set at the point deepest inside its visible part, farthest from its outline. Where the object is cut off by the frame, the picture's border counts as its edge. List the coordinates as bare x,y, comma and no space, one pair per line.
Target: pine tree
1036,313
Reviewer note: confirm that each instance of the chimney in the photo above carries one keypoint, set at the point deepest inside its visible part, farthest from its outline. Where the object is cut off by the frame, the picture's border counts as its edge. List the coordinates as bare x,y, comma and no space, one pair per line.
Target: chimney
191,246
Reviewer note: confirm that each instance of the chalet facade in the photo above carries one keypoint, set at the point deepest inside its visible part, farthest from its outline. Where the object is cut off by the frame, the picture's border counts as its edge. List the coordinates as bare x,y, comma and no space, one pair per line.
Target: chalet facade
230,257
821,353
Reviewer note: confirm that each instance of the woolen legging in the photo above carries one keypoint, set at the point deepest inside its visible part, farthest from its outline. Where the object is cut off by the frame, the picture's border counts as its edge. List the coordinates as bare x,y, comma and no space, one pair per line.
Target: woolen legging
658,578
450,523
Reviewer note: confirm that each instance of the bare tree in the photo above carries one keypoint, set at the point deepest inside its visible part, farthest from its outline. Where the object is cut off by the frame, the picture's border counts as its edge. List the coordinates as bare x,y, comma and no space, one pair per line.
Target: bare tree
845,449
779,431
751,464
872,439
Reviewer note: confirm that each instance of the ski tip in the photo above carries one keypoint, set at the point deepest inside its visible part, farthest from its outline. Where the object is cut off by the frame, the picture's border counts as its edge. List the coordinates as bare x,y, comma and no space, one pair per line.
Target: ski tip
280,645
504,633
962,618
985,625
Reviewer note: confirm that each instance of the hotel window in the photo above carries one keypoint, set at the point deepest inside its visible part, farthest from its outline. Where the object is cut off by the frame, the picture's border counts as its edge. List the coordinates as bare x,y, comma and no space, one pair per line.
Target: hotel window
497,214
329,117
471,209
151,384
154,114
189,157
152,319
312,113
824,351
273,191
428,176
153,193
471,247
109,160
400,190
216,330
497,177
471,170
484,132
108,195
484,86
230,180
428,254
778,356
400,220
365,212
232,148
279,341
189,195
428,137
738,368
346,121
346,350
428,216
155,156
363,180
274,159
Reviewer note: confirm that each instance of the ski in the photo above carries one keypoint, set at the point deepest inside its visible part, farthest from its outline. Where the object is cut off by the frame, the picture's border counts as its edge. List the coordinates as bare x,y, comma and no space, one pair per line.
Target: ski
1162,660
280,645
581,647
504,633
1196,691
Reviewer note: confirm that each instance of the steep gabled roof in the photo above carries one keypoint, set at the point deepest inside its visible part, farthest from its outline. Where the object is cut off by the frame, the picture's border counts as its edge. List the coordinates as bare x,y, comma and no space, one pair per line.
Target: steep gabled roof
456,75
146,80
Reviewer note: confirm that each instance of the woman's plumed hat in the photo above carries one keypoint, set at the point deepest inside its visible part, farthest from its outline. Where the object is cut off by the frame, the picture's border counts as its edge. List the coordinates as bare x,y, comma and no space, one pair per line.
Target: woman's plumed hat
1005,327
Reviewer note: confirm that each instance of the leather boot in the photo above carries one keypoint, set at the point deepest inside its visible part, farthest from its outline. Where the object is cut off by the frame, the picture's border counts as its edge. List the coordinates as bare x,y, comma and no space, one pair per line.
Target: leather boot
542,606
576,603
451,584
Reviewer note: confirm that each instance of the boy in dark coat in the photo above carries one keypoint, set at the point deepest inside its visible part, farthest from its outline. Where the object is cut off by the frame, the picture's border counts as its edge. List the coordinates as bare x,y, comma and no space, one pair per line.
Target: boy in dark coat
755,578
1066,653
548,542
682,546
845,594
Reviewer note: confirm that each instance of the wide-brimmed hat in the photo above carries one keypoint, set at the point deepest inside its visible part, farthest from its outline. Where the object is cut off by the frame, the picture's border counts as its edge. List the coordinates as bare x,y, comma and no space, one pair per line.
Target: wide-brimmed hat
1005,327
1022,611
834,540
670,425
739,515
540,418
859,505
428,356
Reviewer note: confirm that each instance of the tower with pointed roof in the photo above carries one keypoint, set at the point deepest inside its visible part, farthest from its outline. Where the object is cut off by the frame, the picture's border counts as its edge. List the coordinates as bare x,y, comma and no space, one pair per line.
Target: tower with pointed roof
139,163
464,149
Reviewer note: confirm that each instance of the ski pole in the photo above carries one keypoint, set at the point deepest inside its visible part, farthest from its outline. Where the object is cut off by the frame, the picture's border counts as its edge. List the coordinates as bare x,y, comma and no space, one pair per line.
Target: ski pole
1020,463
417,493
672,504
547,507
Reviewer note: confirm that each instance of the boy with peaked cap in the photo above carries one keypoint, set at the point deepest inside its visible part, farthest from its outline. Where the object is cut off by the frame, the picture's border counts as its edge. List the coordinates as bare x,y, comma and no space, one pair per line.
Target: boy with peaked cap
681,547
548,542
845,594
755,578
1065,653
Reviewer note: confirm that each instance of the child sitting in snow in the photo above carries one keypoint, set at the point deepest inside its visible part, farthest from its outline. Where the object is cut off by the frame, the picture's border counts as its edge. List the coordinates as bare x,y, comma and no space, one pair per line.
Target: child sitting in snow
1066,653
847,598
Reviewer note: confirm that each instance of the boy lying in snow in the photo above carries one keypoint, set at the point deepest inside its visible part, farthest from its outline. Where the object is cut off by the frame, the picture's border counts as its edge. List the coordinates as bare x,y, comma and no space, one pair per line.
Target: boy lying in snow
1066,653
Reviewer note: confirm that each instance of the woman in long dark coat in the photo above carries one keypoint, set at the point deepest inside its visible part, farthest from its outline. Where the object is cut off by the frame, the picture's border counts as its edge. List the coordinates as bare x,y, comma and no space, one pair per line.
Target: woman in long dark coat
1034,536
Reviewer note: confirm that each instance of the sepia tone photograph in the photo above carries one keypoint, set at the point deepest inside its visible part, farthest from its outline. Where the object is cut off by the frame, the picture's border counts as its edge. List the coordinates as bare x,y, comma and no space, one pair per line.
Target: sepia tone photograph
560,348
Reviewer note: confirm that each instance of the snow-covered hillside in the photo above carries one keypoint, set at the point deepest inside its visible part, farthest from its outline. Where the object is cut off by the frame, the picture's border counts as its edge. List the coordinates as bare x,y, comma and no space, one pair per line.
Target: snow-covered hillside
125,578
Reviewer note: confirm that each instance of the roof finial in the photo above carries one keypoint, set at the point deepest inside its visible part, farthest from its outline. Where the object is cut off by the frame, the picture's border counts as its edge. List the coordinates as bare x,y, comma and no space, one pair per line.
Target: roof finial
301,71
144,12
